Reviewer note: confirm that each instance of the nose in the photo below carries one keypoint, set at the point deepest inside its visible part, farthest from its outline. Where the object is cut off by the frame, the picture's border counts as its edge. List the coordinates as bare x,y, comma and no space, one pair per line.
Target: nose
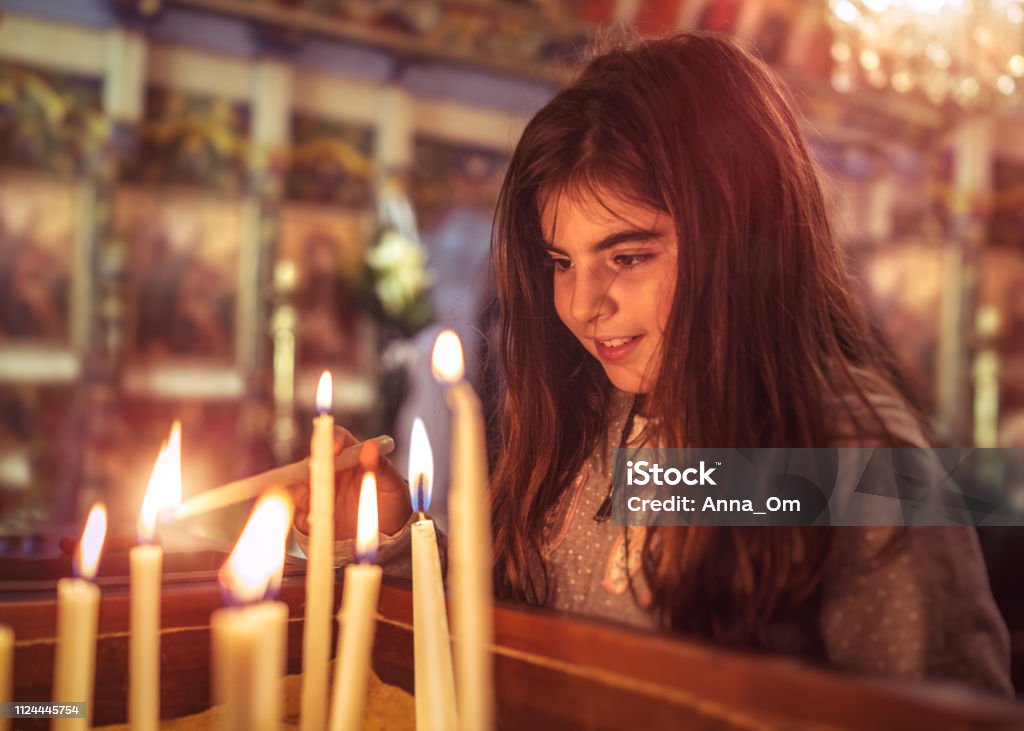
592,296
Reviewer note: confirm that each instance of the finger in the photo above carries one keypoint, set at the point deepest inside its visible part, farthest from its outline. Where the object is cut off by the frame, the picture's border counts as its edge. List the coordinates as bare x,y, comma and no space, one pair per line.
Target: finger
389,479
300,494
369,455
342,438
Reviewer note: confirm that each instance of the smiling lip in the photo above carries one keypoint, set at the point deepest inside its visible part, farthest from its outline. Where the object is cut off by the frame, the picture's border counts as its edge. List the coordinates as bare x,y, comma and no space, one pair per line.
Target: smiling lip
618,352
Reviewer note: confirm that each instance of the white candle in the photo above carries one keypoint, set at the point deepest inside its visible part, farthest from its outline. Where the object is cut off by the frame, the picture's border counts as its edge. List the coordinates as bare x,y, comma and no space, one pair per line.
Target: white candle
316,637
470,541
254,486
249,641
435,682
235,635
268,694
249,662
78,603
145,567
146,563
357,618
6,670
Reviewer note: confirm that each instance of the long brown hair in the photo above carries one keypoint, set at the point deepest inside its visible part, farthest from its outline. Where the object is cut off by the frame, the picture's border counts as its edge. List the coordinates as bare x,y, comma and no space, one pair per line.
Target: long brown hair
764,331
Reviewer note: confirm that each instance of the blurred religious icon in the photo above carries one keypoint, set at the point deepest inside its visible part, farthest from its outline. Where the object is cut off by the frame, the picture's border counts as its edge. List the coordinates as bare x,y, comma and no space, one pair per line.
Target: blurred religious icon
325,245
184,264
328,320
37,239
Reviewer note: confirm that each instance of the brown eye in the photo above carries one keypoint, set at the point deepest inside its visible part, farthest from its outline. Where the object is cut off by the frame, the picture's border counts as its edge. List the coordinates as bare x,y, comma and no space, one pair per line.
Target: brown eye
559,263
628,261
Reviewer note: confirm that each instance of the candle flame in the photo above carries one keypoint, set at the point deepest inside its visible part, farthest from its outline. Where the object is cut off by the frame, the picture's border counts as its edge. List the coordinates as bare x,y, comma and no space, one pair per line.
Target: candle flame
90,546
255,565
421,467
164,490
447,361
367,523
324,393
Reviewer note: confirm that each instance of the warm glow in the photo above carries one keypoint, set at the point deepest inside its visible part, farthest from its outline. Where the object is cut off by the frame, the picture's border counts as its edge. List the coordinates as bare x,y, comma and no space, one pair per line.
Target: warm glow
87,557
324,393
870,59
845,11
943,50
257,561
164,491
421,466
367,524
447,359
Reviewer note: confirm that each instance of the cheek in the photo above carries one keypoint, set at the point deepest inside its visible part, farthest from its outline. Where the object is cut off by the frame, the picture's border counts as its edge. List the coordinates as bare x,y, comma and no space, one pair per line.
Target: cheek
665,297
562,299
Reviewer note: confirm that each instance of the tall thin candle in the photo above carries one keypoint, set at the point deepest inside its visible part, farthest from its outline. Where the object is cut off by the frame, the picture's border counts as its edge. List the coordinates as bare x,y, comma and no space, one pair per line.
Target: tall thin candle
316,638
357,617
470,541
145,566
78,602
435,683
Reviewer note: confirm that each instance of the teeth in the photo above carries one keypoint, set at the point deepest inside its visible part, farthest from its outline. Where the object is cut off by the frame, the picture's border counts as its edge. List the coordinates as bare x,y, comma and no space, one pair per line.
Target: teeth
615,343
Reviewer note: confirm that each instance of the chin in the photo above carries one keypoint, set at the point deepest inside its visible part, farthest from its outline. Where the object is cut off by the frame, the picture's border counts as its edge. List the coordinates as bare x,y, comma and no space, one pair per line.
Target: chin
628,382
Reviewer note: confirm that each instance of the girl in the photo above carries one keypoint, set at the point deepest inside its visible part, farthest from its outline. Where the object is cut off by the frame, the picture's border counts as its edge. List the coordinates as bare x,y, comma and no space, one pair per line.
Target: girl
667,276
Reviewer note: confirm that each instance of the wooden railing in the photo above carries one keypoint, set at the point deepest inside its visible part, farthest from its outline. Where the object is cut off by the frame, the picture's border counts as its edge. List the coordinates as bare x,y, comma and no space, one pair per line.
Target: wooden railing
551,671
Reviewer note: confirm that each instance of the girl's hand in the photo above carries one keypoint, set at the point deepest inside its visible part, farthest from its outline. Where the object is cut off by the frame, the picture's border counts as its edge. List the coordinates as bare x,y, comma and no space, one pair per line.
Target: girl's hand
393,506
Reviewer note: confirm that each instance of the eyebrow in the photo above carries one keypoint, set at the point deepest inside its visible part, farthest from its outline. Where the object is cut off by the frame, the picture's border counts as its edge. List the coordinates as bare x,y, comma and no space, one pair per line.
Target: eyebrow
640,236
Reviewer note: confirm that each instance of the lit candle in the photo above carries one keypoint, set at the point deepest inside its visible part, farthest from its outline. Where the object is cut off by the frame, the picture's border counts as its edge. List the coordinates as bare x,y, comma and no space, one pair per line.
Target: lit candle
249,640
469,566
78,604
6,670
435,684
316,637
145,565
357,617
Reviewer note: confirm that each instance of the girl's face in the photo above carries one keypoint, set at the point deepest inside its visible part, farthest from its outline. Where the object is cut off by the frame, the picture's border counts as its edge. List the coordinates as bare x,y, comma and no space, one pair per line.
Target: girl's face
614,265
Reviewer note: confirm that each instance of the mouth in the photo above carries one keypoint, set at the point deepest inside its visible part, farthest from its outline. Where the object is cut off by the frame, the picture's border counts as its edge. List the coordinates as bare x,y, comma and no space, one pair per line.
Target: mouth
613,349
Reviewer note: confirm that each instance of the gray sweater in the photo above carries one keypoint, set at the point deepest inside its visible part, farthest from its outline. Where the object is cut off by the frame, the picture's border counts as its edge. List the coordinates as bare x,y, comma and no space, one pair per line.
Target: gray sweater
911,602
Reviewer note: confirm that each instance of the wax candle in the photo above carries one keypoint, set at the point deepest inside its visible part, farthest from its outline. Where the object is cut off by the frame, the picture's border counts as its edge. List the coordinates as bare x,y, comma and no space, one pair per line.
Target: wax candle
255,485
357,617
249,664
249,640
6,670
316,637
78,603
145,566
434,681
470,552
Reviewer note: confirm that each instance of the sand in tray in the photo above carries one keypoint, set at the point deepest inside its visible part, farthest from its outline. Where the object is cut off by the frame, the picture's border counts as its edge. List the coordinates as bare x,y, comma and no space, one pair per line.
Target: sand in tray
388,708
